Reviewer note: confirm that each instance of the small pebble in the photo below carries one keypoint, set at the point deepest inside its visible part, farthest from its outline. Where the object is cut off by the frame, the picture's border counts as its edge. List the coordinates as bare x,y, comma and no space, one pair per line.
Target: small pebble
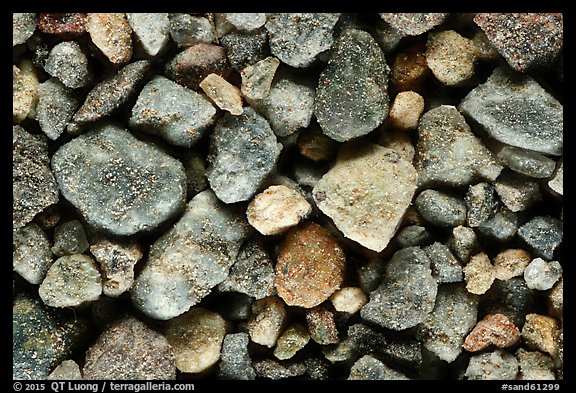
235,363
556,300
494,330
511,298
342,352
518,193
511,263
497,365
542,275
272,369
294,338
370,275
409,70
225,95
479,274
313,144
543,234
451,57
257,80
349,300
527,162
63,24
56,106
67,370
445,267
535,366
196,339
69,64
195,63
370,368
31,254
481,202
414,235
441,209
187,30
245,48
501,227
112,34
246,21
413,23
268,321
406,110
69,238
556,183
321,326
151,30
463,243
25,91
277,209
23,26
541,332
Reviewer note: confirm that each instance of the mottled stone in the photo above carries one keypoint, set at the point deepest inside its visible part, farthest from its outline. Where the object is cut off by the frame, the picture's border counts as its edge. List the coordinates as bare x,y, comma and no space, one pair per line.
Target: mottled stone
517,193
62,24
479,274
151,30
341,352
540,332
370,368
556,300
409,70
414,23
187,30
365,339
310,266
527,162
292,340
542,275
31,254
535,366
267,322
177,114
451,57
25,91
406,295
56,106
23,26
69,64
317,368
130,350
497,365
481,202
448,153
118,183
225,95
191,258
245,48
69,238
112,34
514,109
243,152
366,193
445,267
511,263
543,234
193,64
246,21
321,326
67,370
235,363
257,80
463,243
349,299
441,209
496,330
406,110
272,369
196,338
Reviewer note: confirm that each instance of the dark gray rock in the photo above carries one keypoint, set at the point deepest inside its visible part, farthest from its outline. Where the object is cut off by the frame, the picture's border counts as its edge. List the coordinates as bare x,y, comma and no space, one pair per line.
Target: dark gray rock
370,275
514,109
235,362
405,353
441,209
366,340
527,162
317,368
118,183
501,227
414,235
56,106
543,234
272,369
445,267
69,64
370,369
69,238
482,203
245,48
511,298
352,93
243,152
31,255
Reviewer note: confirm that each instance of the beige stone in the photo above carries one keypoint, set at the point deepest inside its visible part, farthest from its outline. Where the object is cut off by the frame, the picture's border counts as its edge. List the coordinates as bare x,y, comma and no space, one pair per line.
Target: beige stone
268,319
541,332
479,274
24,91
451,57
511,263
112,34
291,341
225,95
349,299
406,110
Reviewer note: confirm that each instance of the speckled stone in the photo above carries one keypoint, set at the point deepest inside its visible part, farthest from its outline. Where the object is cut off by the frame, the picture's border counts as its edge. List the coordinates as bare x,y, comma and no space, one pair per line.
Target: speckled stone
463,242
245,47
543,234
321,325
193,64
225,95
542,275
274,370
511,263
445,267
235,363
441,209
517,193
370,368
112,34
268,319
541,332
69,238
413,23
349,299
25,91
556,183
497,365
479,274
257,80
187,30
482,203
451,57
527,162
56,106
535,365
62,24
23,26
31,254
556,300
292,340
511,298
494,330
151,30
406,110
67,370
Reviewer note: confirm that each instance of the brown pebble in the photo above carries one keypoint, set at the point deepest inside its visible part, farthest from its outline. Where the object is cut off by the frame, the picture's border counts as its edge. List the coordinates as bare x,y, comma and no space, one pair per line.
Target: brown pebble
310,266
112,34
409,70
315,145
62,23
541,332
495,330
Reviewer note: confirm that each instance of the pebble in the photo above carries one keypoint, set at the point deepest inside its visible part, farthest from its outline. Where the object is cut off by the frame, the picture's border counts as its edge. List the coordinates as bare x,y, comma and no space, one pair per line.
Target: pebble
151,29
406,295
196,339
267,322
542,275
409,70
24,91
479,274
406,353
349,299
463,243
110,94
71,281
535,366
445,267
365,339
317,368
23,26
69,239
406,110
485,51
245,48
67,370
117,259
313,144
482,203
294,338
369,368
511,298
494,330
527,41
187,30
195,63
556,300
556,183
31,254
111,33
414,235
277,209
298,38
63,24
130,350
502,227
514,109
448,153
42,337
118,183
257,80
308,173
252,273
370,275
69,64
352,94
321,325
235,363
33,185
243,152
511,263
517,193
444,330
441,209
225,95
543,234
412,24
366,193
540,332
310,266
272,369
451,57
246,21
56,106
289,107
343,352
399,141
527,162
497,365
191,258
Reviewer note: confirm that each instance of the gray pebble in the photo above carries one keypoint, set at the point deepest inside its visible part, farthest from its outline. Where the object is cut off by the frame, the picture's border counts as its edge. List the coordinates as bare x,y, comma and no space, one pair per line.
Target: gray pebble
118,183
272,369
235,362
497,365
515,110
463,243
556,183
543,234
535,365
245,48
501,227
405,353
482,203
69,64
23,26
414,235
517,192
67,370
317,368
370,275
526,162
187,30
369,368
441,209
246,21
179,115
69,238
243,152
445,267
511,298
31,254
366,340
542,275
151,29
56,106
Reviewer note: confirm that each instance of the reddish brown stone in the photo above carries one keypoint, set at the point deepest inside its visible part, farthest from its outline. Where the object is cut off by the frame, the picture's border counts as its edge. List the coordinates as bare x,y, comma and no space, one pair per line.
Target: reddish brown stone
495,330
62,23
310,266
409,70
195,63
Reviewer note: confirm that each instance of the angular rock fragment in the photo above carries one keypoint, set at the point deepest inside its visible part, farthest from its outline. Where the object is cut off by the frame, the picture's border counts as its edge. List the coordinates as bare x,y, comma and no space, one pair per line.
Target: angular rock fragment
23,26
541,332
196,338
69,64
313,144
24,91
56,106
448,153
406,110
352,93
497,365
130,350
349,299
535,365
321,326
190,259
514,109
112,34
370,368
151,30
366,193
179,115
317,368
463,243
543,234
413,23
502,227
246,20
481,202
527,162
245,48
118,183
69,238
272,369
494,330
451,57
342,352
63,24
516,192
267,322
195,63
441,209
511,263
542,275
68,370
235,363
293,339
297,38
407,293
31,254
556,300
365,339
187,30
225,95
479,274
556,183
243,152
445,267
257,80
511,298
